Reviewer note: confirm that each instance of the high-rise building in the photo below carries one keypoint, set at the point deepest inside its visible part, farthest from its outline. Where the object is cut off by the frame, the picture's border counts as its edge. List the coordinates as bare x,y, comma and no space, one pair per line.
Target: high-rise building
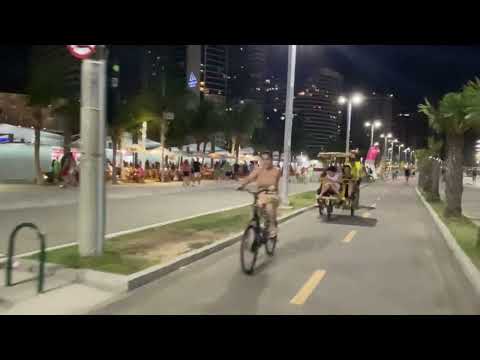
247,73
317,105
214,72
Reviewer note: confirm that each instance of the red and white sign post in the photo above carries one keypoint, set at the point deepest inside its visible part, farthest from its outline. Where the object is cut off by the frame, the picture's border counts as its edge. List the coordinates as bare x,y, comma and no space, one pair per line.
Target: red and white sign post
91,207
82,52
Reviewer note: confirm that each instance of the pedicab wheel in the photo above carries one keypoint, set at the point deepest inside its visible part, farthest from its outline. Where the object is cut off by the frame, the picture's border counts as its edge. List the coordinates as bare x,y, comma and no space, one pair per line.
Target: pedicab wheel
329,211
352,205
320,207
248,250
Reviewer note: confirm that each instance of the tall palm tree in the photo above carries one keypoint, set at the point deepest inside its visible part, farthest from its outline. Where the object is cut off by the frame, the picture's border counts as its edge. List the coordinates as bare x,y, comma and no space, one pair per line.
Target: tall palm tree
45,86
456,114
241,125
121,121
206,121
152,103
69,111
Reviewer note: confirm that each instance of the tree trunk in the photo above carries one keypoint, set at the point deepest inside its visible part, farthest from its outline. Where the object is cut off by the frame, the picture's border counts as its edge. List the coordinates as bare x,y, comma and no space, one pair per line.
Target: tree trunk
204,150
38,168
162,142
234,144
454,175
114,160
67,135
237,151
435,194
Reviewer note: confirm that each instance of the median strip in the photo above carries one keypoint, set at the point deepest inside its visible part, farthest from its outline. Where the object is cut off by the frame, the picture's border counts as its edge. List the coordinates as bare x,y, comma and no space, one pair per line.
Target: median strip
135,252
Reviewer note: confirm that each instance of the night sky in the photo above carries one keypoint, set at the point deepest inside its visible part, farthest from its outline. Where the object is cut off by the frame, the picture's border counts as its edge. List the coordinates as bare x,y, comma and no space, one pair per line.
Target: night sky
410,72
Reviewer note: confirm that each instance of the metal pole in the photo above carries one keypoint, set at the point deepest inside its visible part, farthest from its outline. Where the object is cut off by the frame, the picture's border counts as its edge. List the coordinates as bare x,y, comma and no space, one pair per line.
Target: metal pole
91,207
287,141
349,121
385,149
371,137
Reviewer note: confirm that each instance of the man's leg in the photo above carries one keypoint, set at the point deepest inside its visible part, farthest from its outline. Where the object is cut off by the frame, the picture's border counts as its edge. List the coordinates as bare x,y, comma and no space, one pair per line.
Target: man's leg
271,216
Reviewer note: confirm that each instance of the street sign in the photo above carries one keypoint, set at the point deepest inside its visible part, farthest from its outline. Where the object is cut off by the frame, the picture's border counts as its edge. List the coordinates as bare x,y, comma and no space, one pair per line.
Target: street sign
168,116
81,51
192,81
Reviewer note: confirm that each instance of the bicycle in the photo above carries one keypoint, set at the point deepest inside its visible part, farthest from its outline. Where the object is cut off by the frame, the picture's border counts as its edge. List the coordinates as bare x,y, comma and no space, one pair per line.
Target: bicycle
254,237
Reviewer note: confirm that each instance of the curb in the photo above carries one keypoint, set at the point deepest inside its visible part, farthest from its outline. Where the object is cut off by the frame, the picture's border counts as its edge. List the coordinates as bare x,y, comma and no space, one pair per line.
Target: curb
468,268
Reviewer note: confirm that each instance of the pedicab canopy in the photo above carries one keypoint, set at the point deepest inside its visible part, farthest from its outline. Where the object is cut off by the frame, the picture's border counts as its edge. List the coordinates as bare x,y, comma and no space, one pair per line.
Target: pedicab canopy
334,156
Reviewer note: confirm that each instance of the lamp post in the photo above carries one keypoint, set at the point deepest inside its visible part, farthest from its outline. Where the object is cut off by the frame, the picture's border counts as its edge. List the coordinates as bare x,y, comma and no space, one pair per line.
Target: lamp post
355,99
400,153
373,125
287,141
386,137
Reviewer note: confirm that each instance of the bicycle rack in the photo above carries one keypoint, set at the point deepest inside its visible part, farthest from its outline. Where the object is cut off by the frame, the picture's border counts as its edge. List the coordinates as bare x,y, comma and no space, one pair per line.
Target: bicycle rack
11,248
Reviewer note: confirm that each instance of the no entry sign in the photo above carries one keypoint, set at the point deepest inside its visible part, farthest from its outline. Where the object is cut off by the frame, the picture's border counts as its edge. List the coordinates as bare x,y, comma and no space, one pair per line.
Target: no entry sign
81,51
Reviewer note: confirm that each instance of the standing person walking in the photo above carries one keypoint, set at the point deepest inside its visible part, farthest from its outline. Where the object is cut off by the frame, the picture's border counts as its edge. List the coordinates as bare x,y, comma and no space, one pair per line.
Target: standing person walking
407,173
186,171
197,175
474,176
68,170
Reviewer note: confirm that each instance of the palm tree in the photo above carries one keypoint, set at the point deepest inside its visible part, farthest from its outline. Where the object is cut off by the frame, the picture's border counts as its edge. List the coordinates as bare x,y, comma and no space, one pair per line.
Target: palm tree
456,114
45,87
207,119
69,111
429,168
241,125
120,121
152,104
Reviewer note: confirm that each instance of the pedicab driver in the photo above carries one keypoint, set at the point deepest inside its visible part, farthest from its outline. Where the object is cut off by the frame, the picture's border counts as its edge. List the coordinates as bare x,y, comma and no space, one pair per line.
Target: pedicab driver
266,177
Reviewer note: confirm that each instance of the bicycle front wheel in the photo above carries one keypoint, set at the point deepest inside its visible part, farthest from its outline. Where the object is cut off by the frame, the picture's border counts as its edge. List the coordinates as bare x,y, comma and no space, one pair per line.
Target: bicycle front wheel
270,245
249,250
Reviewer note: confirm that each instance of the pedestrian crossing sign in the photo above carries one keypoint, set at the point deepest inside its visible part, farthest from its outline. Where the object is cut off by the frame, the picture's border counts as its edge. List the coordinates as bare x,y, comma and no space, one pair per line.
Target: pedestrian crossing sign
192,81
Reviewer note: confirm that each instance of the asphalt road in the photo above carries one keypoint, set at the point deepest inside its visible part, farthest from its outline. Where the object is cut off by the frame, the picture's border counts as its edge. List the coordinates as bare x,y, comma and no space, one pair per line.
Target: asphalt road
390,259
54,210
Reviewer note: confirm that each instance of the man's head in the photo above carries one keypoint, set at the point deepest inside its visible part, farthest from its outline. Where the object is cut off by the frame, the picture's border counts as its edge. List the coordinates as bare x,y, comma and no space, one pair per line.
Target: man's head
267,160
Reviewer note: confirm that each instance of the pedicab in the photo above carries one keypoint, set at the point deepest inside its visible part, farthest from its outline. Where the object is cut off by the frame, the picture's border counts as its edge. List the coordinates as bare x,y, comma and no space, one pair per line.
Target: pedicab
349,192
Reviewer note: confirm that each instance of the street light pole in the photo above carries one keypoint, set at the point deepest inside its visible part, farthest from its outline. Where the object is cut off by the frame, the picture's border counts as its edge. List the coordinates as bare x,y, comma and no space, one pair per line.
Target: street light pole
287,141
349,121
91,207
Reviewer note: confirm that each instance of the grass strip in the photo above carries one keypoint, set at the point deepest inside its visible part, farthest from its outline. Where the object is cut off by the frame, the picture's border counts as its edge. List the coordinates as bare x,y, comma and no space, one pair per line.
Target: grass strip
463,230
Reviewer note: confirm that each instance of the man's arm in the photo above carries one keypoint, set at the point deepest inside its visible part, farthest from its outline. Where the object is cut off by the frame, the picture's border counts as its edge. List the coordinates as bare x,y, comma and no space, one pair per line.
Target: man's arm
249,179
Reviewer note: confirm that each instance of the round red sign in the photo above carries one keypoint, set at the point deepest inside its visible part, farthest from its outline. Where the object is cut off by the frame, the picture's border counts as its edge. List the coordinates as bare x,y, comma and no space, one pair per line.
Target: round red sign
81,51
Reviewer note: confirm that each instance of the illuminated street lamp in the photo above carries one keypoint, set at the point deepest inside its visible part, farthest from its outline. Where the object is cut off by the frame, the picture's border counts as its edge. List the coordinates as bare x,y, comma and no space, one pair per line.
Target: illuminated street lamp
373,125
386,137
355,99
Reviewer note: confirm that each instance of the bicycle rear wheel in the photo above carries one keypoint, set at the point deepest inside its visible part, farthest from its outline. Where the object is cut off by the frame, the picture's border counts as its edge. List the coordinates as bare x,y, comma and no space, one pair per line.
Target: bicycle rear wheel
249,250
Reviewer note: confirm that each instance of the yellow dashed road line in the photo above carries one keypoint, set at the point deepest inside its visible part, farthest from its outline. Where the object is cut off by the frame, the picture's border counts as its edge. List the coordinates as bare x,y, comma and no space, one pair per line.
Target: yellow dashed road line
307,289
349,236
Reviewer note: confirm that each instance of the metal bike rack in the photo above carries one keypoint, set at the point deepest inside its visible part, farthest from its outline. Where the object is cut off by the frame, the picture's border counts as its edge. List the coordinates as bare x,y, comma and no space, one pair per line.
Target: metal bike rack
11,248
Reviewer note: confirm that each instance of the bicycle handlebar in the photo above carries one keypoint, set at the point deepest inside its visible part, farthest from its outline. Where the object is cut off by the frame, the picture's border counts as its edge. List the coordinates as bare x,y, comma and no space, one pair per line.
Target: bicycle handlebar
253,192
